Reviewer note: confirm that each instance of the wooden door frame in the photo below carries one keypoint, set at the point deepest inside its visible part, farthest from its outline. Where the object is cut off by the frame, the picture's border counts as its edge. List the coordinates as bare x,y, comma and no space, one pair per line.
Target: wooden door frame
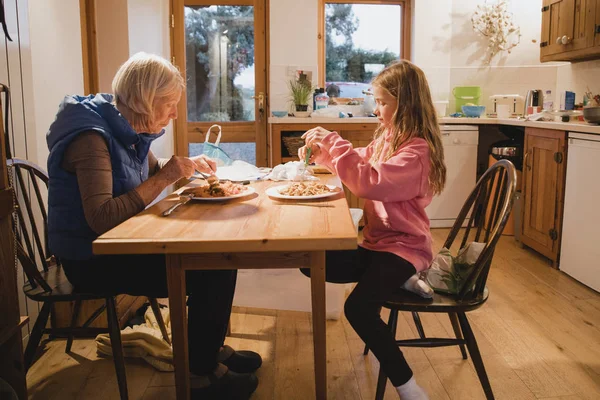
180,131
89,46
405,50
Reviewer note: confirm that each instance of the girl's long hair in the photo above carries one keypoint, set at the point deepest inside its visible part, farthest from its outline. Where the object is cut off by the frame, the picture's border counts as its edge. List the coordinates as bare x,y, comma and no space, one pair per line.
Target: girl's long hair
415,117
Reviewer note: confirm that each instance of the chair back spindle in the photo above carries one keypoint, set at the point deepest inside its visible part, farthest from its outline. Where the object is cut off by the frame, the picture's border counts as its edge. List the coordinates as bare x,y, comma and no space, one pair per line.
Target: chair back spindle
31,223
489,206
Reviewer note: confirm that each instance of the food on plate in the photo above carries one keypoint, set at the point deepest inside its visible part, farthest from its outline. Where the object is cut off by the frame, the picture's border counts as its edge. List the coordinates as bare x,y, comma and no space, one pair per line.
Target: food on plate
305,189
221,189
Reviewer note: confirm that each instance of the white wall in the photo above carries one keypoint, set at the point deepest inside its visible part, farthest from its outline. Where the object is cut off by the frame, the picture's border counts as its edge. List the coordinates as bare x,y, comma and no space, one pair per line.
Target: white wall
444,46
579,78
112,44
56,61
293,42
149,32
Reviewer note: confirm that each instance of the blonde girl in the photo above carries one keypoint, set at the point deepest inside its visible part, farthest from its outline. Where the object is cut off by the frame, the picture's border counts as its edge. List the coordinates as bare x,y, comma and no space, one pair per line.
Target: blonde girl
397,174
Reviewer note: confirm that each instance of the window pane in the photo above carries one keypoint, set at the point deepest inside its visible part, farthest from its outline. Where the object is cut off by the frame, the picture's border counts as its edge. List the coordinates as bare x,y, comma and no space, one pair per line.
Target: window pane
220,63
361,39
237,151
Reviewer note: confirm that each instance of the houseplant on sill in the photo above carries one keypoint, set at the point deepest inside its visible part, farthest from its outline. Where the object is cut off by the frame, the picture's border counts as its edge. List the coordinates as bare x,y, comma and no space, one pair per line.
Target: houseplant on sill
300,95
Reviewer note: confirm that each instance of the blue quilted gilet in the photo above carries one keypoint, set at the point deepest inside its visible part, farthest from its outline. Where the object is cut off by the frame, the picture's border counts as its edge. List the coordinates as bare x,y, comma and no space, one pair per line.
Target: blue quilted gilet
70,236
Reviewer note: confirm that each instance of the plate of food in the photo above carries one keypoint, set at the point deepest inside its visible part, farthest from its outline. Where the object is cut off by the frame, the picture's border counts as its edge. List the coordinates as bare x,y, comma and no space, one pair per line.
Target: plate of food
303,191
219,191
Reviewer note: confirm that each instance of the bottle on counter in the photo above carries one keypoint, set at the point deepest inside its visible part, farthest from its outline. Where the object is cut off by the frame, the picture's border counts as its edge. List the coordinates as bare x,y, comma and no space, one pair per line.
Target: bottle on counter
315,94
548,104
321,99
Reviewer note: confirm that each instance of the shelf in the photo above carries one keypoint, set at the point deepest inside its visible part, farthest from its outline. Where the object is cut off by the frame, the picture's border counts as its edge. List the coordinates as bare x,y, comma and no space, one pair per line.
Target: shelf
9,332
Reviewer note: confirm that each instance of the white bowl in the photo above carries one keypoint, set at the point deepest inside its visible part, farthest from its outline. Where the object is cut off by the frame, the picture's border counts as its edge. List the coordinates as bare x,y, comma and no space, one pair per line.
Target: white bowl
302,114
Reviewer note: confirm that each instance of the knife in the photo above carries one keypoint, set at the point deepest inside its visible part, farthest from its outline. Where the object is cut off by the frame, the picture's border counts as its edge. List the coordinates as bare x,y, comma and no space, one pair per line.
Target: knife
182,200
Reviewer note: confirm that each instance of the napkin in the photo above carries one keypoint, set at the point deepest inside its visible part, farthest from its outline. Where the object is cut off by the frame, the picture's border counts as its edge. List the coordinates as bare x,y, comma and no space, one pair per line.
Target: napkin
291,171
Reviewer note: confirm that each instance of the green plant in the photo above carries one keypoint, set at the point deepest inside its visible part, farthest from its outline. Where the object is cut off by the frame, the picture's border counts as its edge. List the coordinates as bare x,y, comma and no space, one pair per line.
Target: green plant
300,92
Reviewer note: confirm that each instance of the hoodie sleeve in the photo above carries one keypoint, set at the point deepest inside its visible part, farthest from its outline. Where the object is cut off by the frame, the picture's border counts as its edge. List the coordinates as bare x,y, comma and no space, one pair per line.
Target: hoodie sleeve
398,179
88,157
325,158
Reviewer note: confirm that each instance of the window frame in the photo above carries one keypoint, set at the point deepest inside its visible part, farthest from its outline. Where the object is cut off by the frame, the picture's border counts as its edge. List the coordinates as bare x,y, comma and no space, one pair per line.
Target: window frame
406,29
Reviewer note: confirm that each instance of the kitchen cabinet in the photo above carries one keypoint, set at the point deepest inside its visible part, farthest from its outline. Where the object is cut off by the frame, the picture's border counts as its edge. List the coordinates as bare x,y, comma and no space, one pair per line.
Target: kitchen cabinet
543,190
570,30
359,134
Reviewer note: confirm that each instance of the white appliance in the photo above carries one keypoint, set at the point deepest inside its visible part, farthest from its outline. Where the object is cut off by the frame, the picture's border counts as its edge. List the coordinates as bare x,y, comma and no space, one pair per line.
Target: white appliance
460,154
514,102
580,253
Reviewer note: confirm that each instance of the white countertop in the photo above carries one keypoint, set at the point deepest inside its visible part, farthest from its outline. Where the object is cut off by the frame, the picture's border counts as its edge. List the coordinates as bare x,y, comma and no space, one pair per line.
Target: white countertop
563,126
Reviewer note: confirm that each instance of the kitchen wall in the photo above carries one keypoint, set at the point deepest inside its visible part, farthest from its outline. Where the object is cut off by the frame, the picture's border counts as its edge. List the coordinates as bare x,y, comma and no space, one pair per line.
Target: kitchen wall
579,78
113,46
149,32
444,46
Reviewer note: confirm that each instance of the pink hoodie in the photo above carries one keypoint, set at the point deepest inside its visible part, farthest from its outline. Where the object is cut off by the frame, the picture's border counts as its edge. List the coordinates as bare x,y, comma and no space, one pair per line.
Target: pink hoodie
396,193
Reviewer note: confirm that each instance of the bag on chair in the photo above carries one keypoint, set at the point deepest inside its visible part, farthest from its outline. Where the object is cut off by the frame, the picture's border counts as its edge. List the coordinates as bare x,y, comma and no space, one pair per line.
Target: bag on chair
213,150
448,274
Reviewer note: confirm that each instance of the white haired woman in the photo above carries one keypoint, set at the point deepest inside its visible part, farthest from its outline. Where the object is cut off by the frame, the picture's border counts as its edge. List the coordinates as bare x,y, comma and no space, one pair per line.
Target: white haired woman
102,172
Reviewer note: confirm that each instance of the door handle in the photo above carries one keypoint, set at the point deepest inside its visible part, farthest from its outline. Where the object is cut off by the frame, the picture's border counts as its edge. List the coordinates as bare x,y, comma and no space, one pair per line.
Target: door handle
525,158
261,105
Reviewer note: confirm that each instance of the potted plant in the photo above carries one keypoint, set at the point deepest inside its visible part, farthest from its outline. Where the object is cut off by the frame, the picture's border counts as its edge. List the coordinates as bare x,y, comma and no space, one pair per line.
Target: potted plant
300,93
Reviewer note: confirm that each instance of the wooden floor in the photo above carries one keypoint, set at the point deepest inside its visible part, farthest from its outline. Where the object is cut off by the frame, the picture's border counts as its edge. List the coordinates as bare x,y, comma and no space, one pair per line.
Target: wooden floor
539,335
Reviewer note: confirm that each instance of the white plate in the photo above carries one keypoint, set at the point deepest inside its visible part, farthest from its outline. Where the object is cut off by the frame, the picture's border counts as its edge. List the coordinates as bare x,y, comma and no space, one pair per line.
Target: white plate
275,192
249,190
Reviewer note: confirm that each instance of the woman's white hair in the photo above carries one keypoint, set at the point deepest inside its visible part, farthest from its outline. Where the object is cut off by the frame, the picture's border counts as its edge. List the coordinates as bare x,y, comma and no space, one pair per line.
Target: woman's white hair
141,83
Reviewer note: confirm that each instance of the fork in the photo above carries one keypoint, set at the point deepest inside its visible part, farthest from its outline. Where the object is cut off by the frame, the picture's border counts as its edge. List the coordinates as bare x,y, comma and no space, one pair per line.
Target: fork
211,179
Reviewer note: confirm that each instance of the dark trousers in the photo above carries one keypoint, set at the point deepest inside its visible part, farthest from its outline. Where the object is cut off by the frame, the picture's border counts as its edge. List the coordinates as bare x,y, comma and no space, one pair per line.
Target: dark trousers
378,275
210,295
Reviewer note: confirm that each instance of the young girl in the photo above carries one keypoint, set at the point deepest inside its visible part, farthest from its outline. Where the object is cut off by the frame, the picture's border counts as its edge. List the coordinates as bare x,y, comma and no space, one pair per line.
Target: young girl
397,174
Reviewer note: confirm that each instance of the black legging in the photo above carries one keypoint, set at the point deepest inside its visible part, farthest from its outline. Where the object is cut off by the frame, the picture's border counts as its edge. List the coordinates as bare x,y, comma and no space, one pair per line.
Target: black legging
209,302
378,275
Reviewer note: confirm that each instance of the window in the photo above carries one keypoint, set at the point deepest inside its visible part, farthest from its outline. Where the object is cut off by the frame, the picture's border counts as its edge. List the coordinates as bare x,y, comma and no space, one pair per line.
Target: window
357,39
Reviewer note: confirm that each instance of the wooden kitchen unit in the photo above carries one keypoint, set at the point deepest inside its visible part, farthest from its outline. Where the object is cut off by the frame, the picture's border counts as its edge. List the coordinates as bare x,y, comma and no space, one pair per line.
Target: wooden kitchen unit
570,30
544,165
359,134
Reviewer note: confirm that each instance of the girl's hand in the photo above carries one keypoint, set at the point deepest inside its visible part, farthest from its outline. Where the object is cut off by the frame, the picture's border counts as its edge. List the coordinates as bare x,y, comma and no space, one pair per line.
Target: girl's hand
316,150
204,164
314,136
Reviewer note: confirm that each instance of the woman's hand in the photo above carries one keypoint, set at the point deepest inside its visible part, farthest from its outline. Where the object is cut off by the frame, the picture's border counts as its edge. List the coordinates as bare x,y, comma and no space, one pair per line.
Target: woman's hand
205,164
314,136
178,167
316,150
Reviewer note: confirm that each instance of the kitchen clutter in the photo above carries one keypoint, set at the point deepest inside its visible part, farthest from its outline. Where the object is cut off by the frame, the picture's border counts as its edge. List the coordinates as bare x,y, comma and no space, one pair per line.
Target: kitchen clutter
466,95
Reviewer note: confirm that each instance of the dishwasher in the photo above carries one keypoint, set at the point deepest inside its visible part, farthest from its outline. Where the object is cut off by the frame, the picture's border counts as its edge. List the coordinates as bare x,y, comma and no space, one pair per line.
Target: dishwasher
580,253
460,155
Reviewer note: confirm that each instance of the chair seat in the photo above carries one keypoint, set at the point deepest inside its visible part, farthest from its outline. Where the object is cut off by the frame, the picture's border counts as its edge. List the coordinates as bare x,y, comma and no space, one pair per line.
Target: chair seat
404,300
62,290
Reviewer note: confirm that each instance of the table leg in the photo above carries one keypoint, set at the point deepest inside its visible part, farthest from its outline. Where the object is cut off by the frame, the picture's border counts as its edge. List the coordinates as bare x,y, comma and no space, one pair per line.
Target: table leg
176,286
317,283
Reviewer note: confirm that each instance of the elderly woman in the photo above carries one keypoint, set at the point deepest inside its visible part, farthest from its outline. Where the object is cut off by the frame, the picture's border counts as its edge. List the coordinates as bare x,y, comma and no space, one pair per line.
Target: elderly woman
102,172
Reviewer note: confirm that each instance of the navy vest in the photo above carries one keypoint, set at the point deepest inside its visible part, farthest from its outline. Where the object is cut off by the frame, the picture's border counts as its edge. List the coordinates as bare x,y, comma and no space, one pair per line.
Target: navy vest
69,234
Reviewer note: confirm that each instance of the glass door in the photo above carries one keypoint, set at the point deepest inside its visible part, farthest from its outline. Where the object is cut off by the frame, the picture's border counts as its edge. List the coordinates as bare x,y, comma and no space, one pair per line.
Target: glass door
220,46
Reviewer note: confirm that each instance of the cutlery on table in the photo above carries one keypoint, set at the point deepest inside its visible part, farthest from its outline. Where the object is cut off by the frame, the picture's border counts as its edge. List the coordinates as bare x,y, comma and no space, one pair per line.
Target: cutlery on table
183,198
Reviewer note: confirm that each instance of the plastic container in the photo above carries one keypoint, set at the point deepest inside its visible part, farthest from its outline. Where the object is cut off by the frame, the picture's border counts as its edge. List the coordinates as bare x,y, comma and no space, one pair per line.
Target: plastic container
321,99
473,111
464,95
441,107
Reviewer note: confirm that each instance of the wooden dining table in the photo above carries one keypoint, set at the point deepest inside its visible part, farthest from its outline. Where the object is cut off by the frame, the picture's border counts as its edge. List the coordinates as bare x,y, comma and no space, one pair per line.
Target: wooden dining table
253,232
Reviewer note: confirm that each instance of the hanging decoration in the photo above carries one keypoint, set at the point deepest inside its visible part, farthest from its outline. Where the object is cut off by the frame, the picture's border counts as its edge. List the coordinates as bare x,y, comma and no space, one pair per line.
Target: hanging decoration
493,21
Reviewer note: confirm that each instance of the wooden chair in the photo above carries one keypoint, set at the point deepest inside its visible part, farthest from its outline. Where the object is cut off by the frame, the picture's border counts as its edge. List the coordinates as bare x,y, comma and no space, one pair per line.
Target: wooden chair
489,206
47,282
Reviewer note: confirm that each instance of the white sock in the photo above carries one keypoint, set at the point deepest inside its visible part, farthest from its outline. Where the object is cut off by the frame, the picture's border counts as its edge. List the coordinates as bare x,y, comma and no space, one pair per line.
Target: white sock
411,391
416,285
